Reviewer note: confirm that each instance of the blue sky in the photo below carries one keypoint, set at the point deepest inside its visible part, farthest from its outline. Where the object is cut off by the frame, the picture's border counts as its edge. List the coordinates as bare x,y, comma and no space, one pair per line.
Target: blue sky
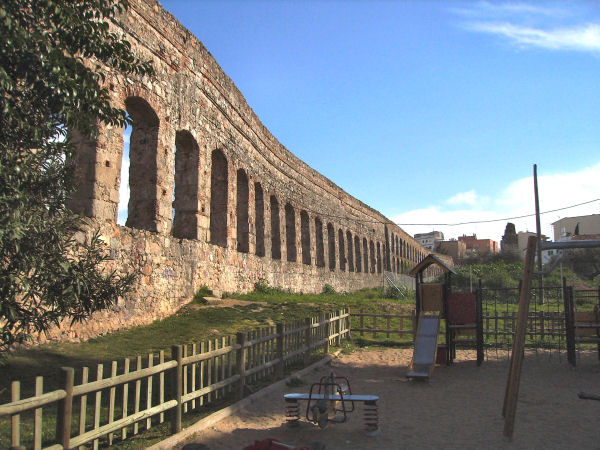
430,112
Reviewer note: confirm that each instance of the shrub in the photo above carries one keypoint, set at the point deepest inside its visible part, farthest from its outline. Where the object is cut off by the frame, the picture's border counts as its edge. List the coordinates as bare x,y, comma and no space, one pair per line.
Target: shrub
202,292
329,289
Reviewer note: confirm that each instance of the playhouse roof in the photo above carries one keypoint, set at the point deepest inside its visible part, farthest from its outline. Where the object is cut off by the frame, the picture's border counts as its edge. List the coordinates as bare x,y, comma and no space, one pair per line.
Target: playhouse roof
428,261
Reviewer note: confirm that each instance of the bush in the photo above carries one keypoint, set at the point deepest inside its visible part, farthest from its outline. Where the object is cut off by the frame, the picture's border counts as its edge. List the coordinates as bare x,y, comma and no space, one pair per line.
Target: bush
329,289
202,292
262,287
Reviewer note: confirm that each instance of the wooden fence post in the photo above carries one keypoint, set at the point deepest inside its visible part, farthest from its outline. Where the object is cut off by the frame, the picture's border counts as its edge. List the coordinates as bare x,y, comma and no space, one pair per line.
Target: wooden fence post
240,363
177,388
15,420
339,328
279,331
307,340
327,332
511,394
362,322
65,407
348,327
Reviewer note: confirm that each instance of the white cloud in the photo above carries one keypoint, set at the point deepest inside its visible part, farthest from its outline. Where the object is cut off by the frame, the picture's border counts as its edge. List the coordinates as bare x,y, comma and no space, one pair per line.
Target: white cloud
500,9
467,198
584,38
517,199
550,26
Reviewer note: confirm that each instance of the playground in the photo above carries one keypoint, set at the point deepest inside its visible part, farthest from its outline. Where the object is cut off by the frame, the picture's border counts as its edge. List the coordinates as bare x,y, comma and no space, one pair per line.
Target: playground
460,406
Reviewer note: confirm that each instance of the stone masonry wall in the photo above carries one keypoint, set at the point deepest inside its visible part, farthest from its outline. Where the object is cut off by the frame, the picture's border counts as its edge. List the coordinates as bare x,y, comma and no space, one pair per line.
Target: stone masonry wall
194,131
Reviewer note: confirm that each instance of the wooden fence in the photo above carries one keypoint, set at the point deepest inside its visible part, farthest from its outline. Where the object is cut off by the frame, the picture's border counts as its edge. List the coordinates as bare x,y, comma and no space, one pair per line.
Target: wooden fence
130,399
386,323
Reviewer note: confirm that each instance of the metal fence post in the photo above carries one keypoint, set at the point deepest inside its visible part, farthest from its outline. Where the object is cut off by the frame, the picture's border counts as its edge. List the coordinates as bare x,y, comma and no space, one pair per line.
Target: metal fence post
177,389
65,407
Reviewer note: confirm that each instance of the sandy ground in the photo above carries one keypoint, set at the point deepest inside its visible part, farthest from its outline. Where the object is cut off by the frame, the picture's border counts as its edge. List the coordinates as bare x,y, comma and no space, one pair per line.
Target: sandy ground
459,407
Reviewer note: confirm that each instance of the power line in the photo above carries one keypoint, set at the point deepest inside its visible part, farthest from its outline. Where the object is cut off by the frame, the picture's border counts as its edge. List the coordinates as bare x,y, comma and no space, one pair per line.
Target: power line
495,220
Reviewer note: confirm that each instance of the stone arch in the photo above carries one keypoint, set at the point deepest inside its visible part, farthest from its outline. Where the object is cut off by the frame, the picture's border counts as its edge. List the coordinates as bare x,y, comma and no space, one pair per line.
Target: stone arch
241,209
275,229
290,232
397,250
259,220
319,247
366,255
350,252
331,245
218,198
143,169
185,203
342,251
305,237
393,243
378,257
357,256
372,255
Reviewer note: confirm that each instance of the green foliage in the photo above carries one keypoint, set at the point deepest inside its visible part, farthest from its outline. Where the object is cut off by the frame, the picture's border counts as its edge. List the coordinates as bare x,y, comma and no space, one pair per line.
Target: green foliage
328,289
47,89
202,292
499,274
262,287
402,293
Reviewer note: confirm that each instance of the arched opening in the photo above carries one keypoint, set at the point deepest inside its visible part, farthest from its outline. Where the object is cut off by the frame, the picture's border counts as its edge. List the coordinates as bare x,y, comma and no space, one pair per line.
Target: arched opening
372,254
393,246
259,219
357,257
305,237
218,198
123,203
331,244
241,209
386,250
275,229
185,202
342,252
319,243
290,232
143,178
350,251
378,258
397,250
366,253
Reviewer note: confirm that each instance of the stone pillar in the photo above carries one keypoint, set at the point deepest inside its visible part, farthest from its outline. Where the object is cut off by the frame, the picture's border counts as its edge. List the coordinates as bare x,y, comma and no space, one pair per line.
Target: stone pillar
251,218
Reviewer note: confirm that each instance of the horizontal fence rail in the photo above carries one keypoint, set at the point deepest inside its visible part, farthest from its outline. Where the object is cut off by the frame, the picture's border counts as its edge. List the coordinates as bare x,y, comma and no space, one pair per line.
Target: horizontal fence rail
142,392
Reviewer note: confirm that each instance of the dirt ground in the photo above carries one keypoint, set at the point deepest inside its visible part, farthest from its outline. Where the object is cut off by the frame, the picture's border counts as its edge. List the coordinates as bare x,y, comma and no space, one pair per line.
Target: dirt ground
459,407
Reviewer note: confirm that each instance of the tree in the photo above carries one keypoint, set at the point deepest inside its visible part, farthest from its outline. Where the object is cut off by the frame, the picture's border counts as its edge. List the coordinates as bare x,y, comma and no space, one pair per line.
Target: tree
54,56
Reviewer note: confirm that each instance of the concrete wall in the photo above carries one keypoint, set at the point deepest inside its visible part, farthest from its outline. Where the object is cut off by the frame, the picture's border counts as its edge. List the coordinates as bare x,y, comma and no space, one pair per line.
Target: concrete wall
245,207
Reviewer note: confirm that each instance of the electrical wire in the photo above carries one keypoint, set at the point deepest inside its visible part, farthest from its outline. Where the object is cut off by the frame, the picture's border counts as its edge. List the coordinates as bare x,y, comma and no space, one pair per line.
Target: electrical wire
496,220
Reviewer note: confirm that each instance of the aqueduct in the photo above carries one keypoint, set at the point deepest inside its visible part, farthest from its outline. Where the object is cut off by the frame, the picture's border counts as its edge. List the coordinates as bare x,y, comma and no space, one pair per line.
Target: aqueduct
215,199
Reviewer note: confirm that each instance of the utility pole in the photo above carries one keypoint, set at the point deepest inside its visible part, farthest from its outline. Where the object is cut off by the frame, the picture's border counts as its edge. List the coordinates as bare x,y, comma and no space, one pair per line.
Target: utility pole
539,236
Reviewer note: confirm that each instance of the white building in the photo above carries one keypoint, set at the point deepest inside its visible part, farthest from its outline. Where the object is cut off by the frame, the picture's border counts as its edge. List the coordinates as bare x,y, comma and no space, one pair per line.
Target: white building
430,240
571,226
